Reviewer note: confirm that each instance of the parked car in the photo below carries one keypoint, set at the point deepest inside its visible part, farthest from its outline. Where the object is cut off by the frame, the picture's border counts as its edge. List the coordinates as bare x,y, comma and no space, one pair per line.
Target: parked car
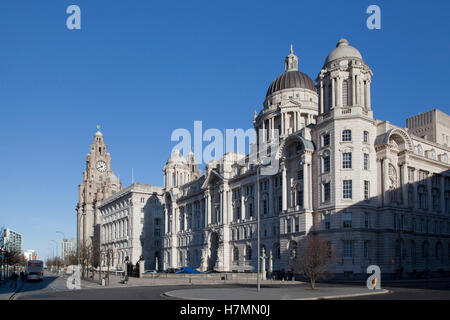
151,271
188,270
171,270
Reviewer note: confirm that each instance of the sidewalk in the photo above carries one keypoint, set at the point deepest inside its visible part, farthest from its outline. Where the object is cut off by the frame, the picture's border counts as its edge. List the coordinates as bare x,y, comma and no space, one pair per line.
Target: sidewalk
6,291
299,292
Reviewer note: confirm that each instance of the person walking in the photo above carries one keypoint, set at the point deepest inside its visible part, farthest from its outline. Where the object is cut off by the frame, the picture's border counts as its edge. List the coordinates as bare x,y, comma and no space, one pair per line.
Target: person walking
14,277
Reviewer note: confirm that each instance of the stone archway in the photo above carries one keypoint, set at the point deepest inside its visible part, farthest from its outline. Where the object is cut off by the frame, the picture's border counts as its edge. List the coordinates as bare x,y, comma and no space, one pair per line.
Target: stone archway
213,248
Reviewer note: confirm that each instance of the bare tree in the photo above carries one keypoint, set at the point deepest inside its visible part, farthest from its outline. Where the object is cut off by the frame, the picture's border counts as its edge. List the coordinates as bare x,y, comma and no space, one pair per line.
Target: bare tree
85,257
109,258
314,257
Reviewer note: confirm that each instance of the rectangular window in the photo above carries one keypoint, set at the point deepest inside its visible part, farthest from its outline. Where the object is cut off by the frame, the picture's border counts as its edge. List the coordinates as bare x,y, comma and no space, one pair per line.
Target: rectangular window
348,249
366,221
326,140
326,192
280,204
289,226
250,209
366,249
346,136
326,164
300,198
264,207
366,190
297,225
366,136
366,161
300,175
327,221
347,223
347,160
347,189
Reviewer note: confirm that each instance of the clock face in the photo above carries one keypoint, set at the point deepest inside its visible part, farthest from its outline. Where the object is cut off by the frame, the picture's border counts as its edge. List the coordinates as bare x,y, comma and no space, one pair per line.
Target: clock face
101,166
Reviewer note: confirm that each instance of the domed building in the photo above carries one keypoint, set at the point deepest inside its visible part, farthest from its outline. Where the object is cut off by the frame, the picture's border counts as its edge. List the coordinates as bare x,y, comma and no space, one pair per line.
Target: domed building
378,193
340,174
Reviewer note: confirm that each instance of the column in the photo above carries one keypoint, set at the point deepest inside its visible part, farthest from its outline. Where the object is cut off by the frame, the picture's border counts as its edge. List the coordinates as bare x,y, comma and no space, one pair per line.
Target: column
333,93
369,101
339,91
208,206
384,174
284,186
306,190
220,218
321,102
271,197
429,188
404,183
353,90
242,205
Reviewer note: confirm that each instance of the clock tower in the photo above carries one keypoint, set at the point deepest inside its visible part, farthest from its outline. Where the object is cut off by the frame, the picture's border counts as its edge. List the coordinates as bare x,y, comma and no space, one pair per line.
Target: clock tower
99,182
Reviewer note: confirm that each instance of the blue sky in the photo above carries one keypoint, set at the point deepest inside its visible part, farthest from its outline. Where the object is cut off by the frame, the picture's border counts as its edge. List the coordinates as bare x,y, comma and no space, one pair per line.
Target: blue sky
144,68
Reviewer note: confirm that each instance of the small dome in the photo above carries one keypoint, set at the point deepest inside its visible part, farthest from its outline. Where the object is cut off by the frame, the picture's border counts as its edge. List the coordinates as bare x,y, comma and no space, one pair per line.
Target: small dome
343,50
289,80
176,157
98,133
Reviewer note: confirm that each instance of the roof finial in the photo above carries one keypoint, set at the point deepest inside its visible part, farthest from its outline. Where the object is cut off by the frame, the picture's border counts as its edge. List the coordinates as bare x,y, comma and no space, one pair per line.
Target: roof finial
99,127
292,49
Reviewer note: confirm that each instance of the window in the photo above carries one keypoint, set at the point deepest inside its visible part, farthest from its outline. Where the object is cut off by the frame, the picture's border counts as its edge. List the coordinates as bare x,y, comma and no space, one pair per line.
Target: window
366,220
366,136
348,249
248,253
347,160
347,190
297,225
327,222
300,198
235,254
346,93
300,175
366,161
326,140
366,249
289,226
327,192
347,223
157,232
366,190
326,164
280,204
264,207
347,136
250,209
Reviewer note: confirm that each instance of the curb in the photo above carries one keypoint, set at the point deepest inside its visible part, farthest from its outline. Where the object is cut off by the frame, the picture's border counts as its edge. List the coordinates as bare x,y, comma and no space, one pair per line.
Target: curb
382,291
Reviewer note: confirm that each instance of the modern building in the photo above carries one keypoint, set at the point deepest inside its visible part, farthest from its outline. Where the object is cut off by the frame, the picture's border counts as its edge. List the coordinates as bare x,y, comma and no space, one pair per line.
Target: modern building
377,192
99,182
132,227
12,241
68,247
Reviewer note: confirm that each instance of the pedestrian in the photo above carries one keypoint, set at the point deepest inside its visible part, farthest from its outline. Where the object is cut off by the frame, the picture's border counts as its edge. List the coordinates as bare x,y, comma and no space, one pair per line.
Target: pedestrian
22,276
14,277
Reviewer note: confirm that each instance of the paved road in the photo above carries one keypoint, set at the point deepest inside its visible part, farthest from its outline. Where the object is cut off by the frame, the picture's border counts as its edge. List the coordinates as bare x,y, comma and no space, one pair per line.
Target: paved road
54,287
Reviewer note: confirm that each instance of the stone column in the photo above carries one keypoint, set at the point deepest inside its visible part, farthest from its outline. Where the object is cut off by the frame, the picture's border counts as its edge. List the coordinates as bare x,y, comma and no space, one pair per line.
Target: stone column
208,207
284,185
369,101
339,91
429,189
321,102
404,183
353,90
333,93
384,173
242,217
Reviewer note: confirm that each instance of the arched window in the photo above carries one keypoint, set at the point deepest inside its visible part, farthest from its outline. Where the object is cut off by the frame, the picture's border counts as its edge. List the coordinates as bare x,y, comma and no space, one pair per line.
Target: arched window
248,253
276,251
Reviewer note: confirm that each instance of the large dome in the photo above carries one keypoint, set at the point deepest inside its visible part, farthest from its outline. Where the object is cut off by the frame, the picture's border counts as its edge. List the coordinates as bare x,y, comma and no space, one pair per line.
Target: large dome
289,80
343,50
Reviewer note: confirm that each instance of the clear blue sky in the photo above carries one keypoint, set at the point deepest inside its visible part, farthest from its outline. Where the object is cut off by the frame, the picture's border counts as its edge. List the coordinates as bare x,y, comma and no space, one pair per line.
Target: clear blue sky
144,68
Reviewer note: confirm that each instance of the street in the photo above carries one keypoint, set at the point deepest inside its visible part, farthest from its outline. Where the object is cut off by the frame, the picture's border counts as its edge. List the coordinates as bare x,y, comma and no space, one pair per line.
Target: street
54,287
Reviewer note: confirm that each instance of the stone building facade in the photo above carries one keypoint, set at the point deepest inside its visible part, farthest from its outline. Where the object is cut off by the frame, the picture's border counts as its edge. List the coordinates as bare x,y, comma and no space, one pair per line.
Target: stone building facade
99,182
377,192
132,226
